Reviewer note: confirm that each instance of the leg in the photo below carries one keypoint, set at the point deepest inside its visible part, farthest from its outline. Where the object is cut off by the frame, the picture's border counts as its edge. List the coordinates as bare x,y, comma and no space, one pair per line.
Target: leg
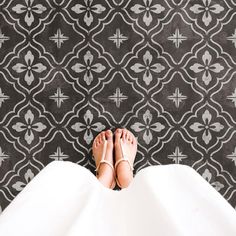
103,145
129,150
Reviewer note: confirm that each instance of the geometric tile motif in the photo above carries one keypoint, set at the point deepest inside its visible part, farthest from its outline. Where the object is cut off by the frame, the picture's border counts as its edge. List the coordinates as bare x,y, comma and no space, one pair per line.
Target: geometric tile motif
225,97
87,68
60,41
58,97
117,38
28,13
10,97
225,156
175,99
83,126
151,127
148,67
10,38
225,38
87,13
28,128
148,14
208,128
173,41
207,68
28,67
176,150
115,100
216,176
207,14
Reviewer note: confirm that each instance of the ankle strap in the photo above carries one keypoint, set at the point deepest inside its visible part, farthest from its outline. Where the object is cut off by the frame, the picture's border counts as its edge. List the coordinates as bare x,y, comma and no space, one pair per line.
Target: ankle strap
104,161
124,158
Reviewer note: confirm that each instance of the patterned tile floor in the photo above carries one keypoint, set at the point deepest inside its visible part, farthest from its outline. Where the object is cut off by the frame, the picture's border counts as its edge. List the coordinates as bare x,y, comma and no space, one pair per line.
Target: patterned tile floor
163,69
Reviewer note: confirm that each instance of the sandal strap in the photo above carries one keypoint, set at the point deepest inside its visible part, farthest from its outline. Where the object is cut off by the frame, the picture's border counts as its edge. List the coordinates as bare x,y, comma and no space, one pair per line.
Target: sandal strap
117,163
124,158
113,184
107,162
103,159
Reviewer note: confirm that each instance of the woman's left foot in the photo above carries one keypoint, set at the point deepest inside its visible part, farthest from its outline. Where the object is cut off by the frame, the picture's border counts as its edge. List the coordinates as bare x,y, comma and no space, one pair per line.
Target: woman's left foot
125,152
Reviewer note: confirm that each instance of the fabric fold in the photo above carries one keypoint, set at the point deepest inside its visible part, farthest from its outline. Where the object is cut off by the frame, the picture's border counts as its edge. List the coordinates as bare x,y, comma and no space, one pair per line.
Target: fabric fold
65,199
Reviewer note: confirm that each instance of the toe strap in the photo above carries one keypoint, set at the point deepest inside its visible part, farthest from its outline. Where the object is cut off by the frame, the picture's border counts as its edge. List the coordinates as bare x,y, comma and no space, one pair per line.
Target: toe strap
103,158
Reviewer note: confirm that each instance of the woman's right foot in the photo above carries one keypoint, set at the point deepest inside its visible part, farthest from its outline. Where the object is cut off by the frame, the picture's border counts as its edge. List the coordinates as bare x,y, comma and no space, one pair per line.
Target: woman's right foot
105,172
124,170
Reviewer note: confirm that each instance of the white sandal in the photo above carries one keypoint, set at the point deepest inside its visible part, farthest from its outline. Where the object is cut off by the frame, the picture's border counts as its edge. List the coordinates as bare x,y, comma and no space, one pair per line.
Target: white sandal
107,162
123,158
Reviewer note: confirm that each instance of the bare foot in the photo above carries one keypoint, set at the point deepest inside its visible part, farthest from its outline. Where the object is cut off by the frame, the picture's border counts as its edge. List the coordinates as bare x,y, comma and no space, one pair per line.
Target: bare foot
105,172
129,147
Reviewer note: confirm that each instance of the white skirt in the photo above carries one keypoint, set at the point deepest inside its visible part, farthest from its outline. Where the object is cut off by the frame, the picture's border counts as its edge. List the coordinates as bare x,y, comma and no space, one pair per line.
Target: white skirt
65,199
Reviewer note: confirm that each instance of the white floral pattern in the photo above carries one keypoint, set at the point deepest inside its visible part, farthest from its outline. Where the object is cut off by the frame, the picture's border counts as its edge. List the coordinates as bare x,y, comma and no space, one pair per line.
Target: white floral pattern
88,68
88,127
207,9
147,68
206,127
29,67
148,9
148,127
207,67
89,9
19,185
3,156
208,176
232,156
29,126
28,9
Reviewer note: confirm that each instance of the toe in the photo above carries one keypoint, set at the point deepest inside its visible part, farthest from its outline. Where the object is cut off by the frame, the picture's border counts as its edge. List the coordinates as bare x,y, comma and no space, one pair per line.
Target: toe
95,141
129,135
98,138
118,134
118,131
101,137
133,139
97,144
109,135
124,134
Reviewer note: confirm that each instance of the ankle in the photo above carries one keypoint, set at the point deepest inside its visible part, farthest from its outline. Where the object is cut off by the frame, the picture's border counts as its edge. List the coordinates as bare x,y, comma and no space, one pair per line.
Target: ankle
105,181
105,175
124,181
124,174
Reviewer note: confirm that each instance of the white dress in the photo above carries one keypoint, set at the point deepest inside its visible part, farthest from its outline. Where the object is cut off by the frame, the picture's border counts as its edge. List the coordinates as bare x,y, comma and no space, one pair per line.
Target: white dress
65,199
